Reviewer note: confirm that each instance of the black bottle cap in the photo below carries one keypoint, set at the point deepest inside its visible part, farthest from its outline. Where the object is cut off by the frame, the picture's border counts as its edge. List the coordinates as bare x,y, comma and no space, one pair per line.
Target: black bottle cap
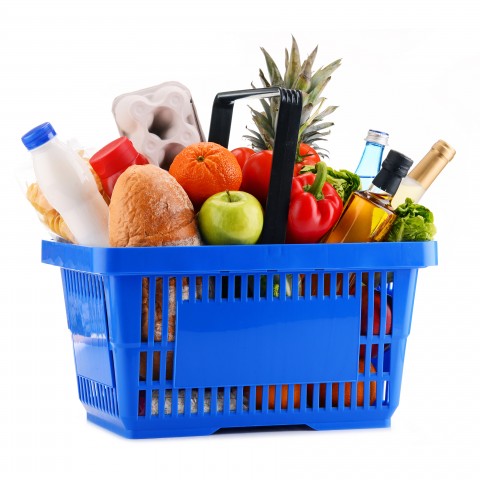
394,168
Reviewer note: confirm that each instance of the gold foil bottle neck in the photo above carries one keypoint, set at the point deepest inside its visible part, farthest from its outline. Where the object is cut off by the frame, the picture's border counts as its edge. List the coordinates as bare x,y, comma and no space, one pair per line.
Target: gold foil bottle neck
427,170
444,149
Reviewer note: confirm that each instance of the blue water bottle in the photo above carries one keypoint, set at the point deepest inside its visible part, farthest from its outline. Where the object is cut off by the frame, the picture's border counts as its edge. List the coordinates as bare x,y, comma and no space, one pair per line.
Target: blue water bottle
371,159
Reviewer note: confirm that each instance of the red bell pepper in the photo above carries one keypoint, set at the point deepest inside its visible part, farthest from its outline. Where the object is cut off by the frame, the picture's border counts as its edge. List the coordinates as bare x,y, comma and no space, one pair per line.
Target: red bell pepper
315,207
306,155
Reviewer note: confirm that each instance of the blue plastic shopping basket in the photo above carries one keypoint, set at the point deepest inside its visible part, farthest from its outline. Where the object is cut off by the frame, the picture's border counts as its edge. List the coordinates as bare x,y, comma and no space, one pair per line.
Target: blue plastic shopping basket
173,341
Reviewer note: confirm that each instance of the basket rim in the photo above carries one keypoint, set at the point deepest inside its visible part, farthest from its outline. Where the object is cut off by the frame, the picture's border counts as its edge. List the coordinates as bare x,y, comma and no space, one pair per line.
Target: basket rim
197,260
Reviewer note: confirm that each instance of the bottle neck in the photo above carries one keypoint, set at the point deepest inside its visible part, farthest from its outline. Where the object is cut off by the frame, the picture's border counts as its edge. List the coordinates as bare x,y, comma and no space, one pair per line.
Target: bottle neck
370,144
51,143
428,168
373,149
385,183
369,163
381,196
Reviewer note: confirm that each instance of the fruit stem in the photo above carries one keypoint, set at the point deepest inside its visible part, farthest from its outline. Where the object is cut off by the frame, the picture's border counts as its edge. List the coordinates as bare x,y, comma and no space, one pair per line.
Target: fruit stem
229,196
320,178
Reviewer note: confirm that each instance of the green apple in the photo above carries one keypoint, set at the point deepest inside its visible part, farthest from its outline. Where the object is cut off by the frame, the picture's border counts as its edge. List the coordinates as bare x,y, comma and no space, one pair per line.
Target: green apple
231,218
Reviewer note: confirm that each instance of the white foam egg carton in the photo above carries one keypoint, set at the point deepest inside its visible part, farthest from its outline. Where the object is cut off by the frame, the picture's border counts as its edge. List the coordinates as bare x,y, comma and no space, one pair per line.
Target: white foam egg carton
160,121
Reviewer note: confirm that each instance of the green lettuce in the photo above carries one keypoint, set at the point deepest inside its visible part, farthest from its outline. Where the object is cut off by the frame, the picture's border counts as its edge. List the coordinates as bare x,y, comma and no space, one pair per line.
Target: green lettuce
414,222
343,181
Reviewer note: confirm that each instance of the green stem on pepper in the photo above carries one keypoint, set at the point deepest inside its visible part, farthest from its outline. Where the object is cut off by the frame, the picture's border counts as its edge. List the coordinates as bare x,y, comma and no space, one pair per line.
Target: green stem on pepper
320,178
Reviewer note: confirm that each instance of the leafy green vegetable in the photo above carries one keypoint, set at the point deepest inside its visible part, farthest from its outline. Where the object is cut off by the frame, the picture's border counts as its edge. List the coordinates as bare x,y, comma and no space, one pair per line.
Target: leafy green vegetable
414,222
343,181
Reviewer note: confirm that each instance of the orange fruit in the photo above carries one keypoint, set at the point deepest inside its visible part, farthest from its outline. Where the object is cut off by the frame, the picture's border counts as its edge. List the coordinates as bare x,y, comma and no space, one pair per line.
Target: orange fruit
347,392
271,396
206,168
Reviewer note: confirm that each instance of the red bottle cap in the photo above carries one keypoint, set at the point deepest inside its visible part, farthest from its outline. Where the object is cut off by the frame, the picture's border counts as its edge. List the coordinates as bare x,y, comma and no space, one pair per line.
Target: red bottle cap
116,156
113,159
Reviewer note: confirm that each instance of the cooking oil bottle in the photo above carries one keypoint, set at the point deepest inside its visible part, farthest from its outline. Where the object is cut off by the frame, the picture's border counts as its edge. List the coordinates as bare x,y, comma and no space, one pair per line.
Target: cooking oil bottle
368,214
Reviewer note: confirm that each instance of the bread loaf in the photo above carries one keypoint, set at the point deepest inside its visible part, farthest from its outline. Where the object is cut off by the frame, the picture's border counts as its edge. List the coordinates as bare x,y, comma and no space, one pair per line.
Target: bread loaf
158,316
149,208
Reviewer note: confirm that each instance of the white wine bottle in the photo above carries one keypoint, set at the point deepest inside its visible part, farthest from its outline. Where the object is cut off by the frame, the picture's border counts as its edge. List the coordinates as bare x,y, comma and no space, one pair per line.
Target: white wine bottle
416,183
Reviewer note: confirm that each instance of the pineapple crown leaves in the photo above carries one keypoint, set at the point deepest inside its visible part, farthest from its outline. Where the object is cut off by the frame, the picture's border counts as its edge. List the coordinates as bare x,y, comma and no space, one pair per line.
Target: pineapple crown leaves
273,71
299,76
263,123
313,122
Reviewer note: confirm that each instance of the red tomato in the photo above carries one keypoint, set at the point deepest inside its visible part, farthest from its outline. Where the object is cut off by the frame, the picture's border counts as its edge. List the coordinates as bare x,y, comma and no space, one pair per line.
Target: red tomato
257,168
307,155
242,153
256,175
376,319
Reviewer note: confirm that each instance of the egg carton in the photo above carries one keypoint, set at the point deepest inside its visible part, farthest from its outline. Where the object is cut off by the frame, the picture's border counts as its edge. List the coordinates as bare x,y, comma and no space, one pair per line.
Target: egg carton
160,121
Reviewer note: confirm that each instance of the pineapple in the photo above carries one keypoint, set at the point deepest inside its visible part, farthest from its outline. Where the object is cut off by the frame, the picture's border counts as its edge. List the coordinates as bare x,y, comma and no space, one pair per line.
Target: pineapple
298,76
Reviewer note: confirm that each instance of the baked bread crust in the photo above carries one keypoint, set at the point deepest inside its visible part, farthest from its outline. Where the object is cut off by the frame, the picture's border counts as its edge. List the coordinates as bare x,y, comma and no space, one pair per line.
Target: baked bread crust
149,208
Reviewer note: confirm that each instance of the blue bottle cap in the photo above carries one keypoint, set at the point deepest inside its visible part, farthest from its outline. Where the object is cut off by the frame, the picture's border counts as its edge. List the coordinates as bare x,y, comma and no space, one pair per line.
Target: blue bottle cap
38,136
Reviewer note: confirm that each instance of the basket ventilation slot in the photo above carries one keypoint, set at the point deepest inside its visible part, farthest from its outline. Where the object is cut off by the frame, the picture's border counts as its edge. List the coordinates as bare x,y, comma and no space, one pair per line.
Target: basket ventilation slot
158,398
99,396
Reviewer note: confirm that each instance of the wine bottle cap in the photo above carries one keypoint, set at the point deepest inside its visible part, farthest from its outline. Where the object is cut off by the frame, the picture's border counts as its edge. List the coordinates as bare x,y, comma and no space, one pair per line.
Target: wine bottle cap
397,163
427,170
375,136
444,149
394,168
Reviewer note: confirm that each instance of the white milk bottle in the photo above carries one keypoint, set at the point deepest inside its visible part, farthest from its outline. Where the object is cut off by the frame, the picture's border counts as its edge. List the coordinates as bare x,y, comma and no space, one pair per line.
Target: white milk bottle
69,186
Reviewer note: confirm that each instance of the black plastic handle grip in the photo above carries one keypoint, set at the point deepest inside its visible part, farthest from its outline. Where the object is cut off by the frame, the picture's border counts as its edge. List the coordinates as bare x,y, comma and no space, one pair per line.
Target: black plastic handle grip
284,150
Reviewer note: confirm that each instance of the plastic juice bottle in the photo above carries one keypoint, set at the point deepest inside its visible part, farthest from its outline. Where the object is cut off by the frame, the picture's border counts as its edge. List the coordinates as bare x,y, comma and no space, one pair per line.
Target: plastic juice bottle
113,159
68,185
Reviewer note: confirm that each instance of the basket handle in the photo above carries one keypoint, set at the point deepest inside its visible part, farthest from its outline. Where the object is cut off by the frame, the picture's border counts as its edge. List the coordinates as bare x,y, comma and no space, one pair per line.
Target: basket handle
284,150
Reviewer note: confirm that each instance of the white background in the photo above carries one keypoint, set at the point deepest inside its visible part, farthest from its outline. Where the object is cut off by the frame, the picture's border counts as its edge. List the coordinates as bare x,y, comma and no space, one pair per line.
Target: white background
409,68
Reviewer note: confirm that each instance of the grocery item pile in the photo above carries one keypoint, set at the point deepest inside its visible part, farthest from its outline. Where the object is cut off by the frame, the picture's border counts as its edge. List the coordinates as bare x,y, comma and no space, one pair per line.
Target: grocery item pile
186,338
160,182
